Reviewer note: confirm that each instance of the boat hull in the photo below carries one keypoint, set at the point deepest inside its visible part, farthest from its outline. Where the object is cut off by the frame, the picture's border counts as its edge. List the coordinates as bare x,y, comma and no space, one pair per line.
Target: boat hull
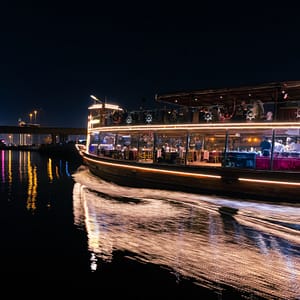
232,182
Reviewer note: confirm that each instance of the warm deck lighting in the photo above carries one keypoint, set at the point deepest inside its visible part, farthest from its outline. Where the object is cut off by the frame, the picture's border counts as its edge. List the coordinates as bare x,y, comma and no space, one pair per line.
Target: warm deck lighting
179,173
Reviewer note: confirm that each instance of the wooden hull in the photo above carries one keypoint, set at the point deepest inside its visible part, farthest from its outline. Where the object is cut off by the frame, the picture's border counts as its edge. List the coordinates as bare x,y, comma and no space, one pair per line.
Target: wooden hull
232,182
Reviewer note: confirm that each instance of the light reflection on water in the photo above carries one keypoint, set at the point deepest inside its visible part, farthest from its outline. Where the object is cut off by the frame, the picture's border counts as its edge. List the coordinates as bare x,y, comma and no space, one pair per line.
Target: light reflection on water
250,246
22,173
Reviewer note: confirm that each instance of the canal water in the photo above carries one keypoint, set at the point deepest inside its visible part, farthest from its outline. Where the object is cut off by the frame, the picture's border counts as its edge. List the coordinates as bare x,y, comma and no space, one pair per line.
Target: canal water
64,230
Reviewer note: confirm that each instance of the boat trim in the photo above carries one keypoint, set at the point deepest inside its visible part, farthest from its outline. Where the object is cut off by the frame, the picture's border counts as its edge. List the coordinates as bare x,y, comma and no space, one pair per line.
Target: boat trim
190,174
270,181
251,125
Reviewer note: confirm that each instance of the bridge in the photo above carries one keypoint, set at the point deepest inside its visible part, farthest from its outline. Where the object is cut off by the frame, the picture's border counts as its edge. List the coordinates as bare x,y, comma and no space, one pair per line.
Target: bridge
57,133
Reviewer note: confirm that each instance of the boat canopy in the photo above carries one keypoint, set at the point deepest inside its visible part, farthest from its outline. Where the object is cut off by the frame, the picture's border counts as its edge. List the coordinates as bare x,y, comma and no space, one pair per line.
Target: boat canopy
106,106
268,92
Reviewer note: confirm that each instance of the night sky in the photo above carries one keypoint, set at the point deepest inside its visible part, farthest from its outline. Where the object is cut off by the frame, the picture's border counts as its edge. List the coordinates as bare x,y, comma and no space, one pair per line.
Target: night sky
54,56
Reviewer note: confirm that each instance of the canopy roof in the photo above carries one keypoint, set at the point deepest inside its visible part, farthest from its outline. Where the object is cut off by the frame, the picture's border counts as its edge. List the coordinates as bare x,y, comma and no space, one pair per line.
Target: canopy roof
268,92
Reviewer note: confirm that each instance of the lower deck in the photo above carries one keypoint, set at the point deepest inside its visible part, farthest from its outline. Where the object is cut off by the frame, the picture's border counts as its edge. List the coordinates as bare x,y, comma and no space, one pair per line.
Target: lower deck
198,177
248,160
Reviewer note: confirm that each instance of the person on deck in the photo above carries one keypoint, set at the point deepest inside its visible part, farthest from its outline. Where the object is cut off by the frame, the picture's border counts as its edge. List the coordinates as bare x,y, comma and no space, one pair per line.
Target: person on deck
265,147
198,148
278,146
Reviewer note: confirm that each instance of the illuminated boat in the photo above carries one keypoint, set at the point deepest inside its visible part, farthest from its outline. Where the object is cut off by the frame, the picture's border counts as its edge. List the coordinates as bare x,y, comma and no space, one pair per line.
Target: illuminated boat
203,141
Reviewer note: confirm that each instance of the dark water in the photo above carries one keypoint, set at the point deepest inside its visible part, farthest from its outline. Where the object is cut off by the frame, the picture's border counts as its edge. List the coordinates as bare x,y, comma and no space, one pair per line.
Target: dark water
64,231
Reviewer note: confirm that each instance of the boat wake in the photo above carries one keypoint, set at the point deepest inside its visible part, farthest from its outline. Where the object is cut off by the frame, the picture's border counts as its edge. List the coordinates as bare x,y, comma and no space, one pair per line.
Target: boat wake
210,239
279,219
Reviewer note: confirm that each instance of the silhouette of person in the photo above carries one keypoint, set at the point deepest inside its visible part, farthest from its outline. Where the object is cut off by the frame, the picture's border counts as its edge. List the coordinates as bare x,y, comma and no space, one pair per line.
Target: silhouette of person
265,147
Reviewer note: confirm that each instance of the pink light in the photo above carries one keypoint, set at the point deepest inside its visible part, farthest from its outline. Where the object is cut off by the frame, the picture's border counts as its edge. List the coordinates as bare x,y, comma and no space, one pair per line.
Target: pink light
3,165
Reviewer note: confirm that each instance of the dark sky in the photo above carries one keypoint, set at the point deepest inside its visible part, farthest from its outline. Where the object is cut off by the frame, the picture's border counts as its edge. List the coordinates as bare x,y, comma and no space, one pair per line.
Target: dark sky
55,55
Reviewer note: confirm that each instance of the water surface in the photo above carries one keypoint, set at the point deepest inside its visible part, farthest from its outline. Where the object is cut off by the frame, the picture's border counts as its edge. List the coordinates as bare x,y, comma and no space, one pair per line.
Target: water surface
65,230
215,242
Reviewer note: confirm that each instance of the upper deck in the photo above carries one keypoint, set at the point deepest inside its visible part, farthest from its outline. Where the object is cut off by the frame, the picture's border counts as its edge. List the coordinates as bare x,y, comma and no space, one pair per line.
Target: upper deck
228,125
272,102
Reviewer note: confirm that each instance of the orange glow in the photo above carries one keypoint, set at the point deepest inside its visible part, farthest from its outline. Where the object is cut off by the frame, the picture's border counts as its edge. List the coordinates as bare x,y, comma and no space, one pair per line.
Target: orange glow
49,169
199,175
179,173
32,185
209,126
270,181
